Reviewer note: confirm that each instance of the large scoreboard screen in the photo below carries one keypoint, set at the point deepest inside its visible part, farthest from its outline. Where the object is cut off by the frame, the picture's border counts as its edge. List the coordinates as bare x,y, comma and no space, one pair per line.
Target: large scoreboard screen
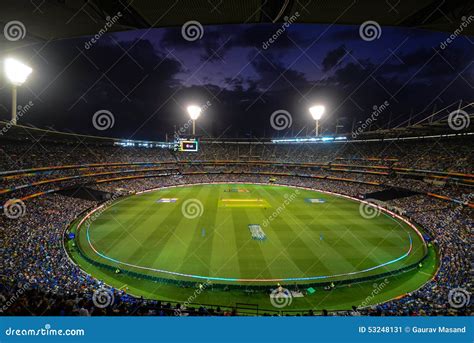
187,144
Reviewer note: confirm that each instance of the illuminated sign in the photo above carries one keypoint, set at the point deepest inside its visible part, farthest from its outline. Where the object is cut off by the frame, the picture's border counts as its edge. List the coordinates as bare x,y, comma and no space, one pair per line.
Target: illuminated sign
188,145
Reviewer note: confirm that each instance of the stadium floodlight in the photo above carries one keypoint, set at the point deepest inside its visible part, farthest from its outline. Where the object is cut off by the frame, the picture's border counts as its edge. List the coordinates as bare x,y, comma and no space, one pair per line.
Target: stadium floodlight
194,112
317,112
17,73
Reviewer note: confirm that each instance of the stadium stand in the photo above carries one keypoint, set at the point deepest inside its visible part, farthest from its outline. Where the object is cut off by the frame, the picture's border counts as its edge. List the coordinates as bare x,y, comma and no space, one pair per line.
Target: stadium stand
40,279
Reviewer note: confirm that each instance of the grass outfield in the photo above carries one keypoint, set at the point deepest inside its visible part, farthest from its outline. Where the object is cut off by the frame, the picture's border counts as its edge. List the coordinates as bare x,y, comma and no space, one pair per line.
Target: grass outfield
339,298
202,232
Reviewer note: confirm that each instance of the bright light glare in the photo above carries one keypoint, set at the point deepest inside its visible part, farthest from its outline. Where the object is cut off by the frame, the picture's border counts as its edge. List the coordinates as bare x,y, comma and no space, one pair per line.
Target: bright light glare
317,111
194,111
16,71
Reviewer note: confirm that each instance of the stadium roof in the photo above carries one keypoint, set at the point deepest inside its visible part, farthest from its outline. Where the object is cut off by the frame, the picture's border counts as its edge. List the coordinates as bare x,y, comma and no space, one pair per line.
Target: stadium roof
56,19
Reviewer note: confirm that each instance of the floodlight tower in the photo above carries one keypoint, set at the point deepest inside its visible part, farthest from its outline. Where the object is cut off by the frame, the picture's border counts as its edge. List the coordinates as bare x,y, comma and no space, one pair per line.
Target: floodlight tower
194,112
317,112
17,73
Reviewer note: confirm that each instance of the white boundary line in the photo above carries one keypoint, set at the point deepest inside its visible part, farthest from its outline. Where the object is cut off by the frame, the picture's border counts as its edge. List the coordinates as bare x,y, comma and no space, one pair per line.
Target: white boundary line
386,212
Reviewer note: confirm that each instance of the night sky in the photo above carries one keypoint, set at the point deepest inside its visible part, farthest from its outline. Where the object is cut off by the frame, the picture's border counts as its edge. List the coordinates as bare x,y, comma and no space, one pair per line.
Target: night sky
146,78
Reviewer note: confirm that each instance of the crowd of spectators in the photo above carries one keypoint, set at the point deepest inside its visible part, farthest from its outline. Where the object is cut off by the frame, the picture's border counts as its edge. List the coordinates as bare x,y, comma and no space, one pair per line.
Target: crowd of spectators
340,160
450,226
39,278
441,154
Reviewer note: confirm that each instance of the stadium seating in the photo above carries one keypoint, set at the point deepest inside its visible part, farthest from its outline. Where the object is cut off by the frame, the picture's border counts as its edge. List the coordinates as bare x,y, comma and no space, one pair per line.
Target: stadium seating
37,271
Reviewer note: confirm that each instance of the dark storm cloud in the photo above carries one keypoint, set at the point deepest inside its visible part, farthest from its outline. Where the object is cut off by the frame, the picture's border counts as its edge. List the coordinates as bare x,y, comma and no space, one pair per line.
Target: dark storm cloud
334,57
217,41
352,73
236,84
211,47
428,63
272,73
